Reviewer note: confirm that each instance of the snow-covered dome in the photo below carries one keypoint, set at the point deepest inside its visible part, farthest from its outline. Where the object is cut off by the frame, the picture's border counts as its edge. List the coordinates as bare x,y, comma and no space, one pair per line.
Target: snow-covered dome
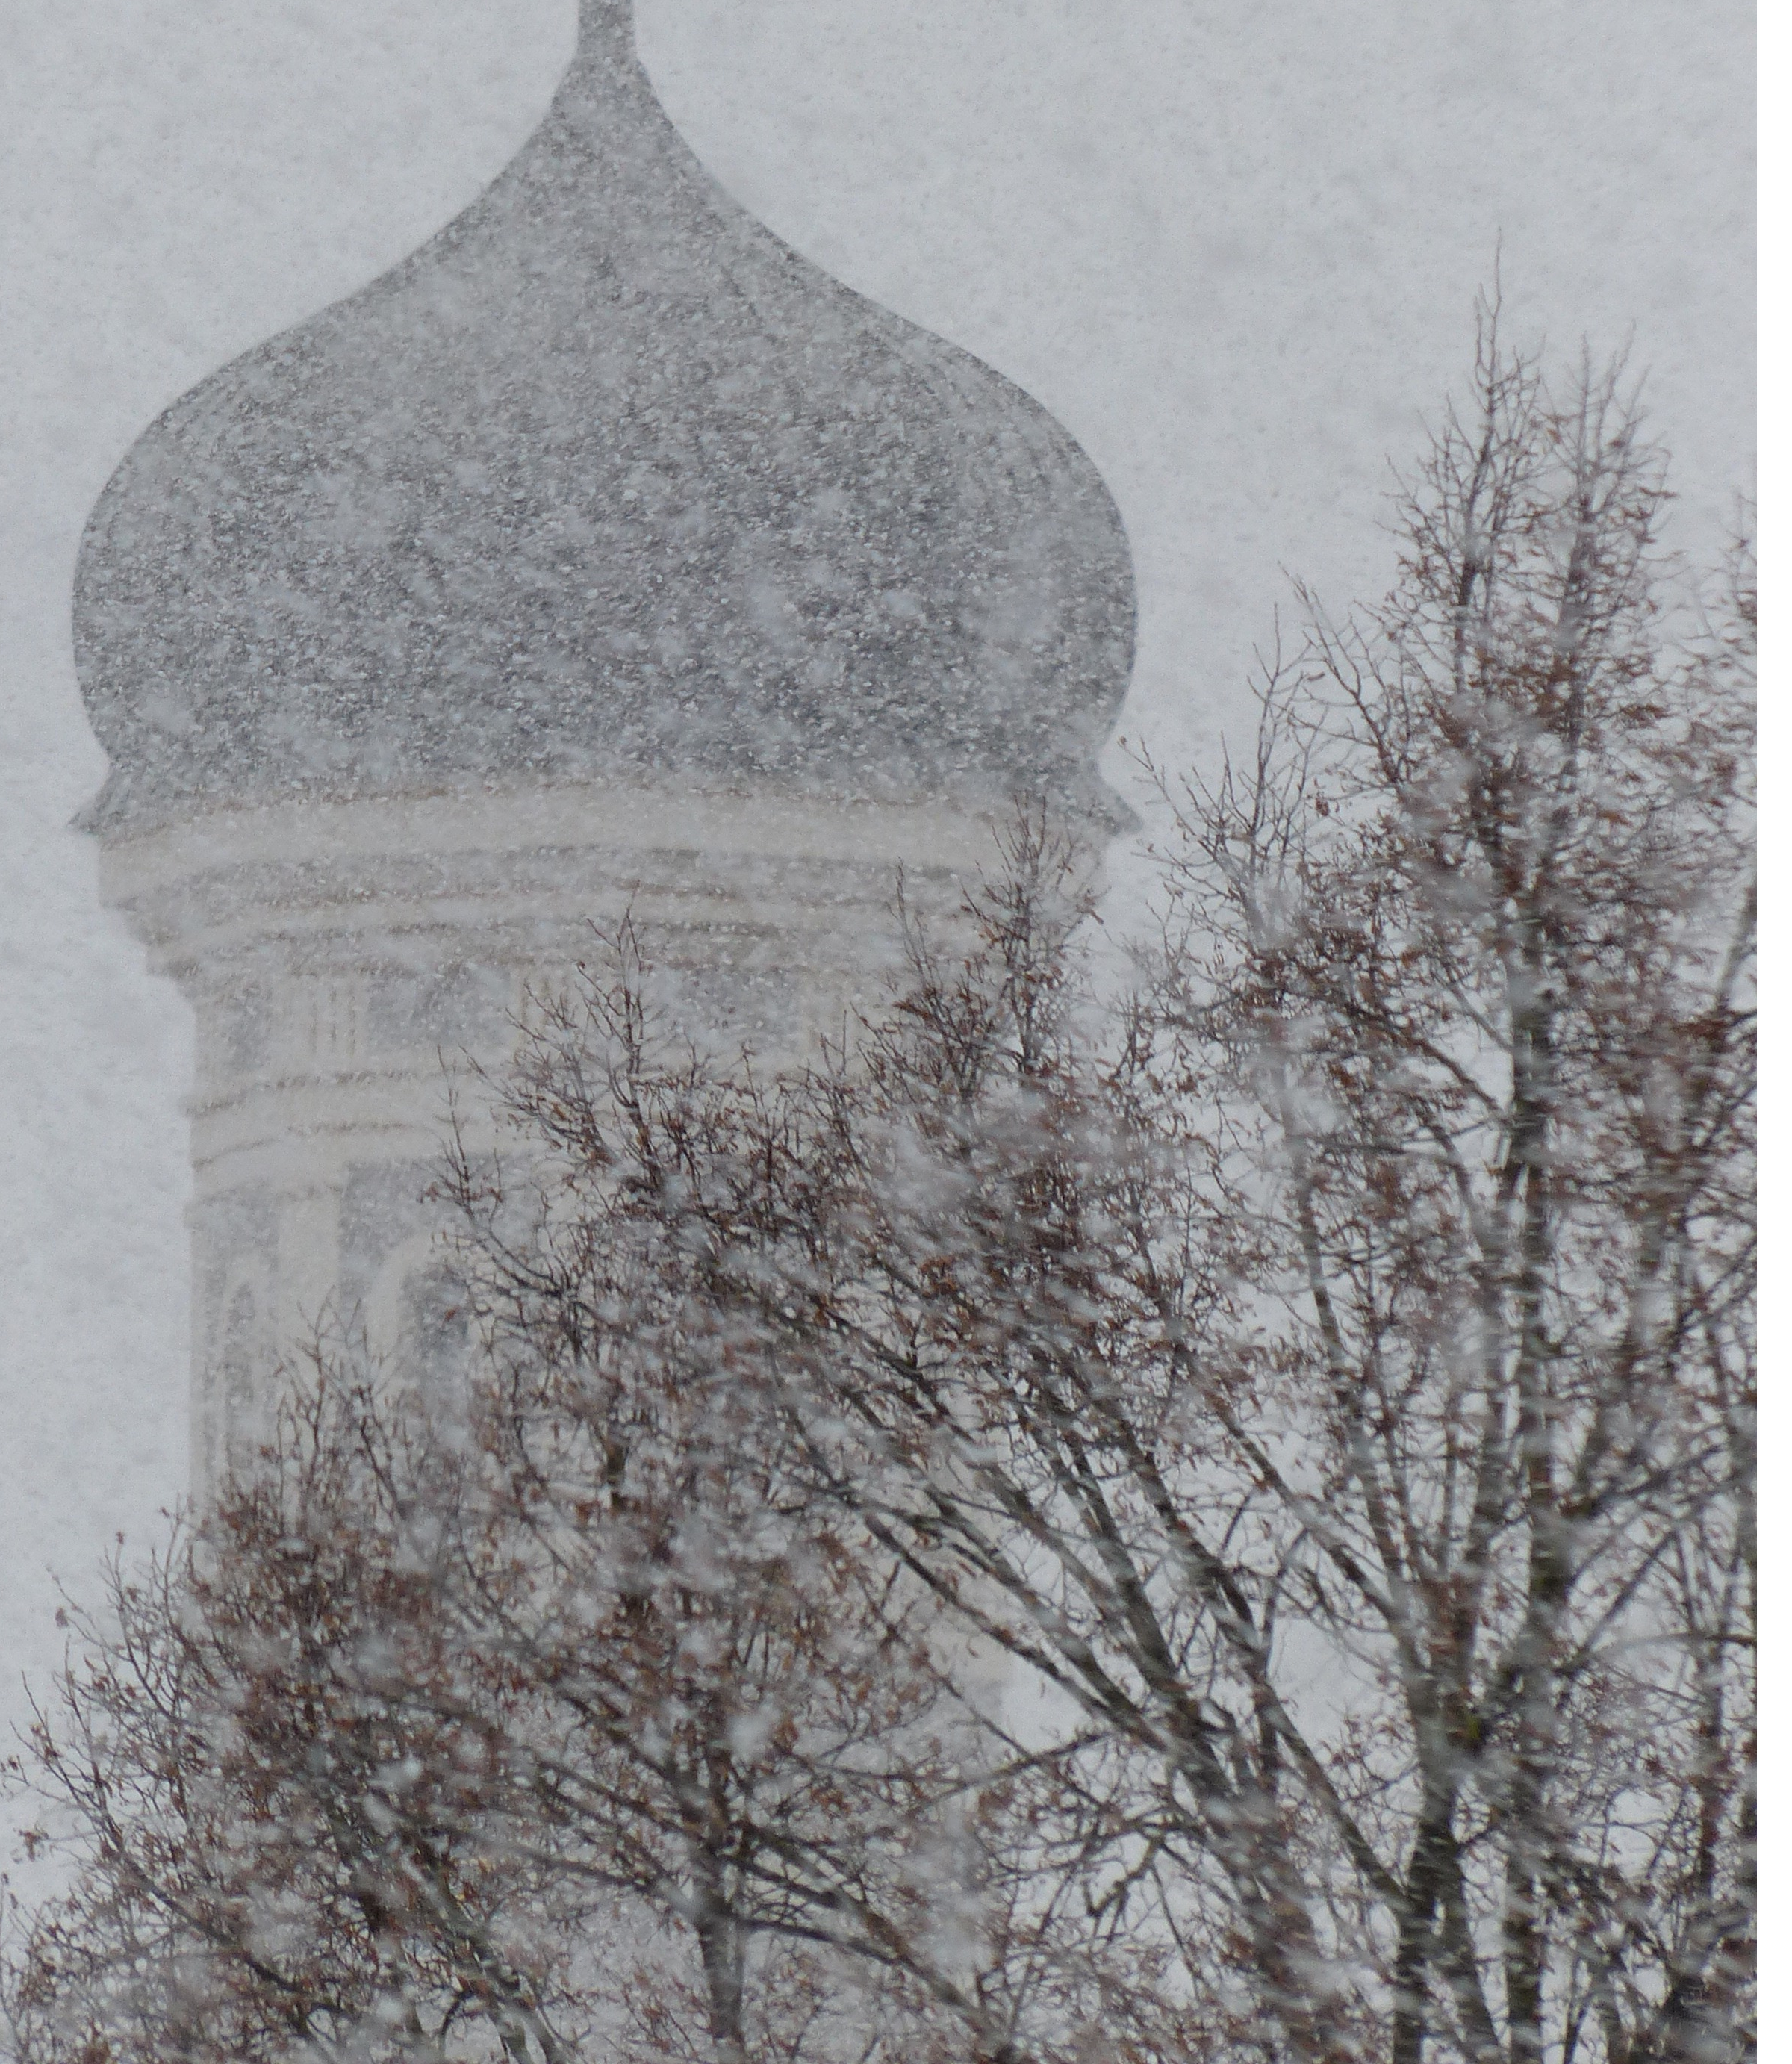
603,482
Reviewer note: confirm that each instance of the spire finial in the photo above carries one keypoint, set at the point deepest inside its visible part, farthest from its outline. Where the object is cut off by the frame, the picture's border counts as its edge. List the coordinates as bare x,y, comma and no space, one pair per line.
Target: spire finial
606,24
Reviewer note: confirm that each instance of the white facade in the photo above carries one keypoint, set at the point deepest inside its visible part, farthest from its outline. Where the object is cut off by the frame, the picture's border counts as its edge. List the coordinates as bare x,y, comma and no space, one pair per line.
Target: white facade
347,961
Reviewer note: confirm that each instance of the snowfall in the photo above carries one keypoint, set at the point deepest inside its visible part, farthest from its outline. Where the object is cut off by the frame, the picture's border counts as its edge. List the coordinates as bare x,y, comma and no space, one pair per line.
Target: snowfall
1233,245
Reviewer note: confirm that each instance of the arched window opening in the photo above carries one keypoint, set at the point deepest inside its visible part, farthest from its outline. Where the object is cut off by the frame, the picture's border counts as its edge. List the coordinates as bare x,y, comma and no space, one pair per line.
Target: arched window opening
435,1335
240,1429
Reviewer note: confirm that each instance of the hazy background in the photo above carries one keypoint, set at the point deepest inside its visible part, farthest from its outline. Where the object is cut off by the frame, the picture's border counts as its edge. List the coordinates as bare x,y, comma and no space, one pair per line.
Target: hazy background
1233,244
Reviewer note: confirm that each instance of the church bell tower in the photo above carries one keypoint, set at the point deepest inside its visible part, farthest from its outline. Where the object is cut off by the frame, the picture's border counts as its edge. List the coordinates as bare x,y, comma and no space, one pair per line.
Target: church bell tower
603,555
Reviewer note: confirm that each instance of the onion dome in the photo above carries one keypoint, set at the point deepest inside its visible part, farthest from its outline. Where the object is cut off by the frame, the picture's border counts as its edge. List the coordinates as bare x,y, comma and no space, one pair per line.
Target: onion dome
604,482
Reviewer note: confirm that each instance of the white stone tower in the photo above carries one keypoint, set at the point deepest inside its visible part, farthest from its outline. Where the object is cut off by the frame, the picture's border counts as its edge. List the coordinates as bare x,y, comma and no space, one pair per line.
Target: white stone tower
603,553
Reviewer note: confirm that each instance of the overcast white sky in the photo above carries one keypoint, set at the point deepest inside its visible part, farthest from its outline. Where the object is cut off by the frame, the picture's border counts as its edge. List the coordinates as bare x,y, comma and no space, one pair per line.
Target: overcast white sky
1233,244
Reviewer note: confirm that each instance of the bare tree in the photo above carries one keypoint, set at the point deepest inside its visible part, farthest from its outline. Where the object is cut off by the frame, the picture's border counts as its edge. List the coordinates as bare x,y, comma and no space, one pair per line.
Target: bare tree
1469,948
274,1793
1332,1388
736,1713
1472,941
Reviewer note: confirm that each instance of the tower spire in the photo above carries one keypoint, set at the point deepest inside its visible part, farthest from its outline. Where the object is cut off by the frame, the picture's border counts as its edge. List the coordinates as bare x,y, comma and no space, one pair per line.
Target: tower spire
605,557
